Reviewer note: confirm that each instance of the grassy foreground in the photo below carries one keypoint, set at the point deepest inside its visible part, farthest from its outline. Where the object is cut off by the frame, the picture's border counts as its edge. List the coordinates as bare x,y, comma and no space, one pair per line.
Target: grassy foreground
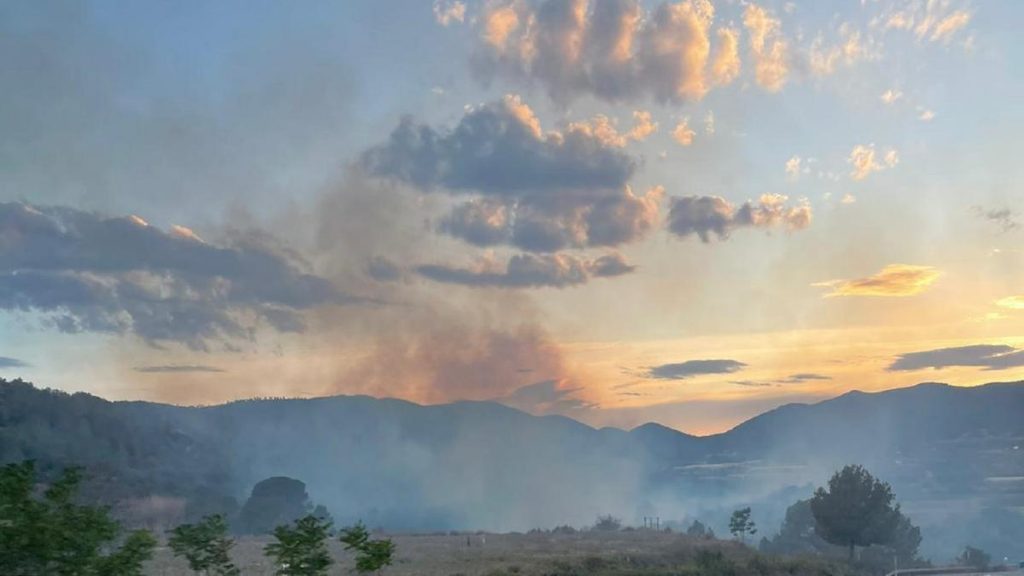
640,552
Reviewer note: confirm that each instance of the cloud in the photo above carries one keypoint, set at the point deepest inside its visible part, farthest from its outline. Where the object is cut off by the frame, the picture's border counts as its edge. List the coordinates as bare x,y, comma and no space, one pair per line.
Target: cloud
683,134
87,272
707,215
804,377
614,51
177,368
890,96
925,115
545,397
447,12
929,21
1002,217
986,356
383,270
1011,302
725,65
530,271
537,191
845,46
793,167
865,161
7,362
792,379
893,280
691,368
604,129
768,48
499,149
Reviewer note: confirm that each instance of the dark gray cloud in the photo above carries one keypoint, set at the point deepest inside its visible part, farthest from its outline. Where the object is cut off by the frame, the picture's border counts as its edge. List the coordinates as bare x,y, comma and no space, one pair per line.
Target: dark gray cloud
539,191
1005,218
985,356
88,272
498,149
804,377
7,362
691,368
532,271
383,270
708,216
175,368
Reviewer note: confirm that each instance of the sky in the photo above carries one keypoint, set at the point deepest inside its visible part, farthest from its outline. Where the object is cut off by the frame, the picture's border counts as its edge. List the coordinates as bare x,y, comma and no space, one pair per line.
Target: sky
680,212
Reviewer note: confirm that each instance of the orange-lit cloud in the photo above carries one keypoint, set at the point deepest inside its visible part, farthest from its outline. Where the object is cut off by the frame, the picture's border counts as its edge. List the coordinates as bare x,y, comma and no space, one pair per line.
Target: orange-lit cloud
683,134
446,12
604,129
1012,302
725,65
893,280
865,161
768,48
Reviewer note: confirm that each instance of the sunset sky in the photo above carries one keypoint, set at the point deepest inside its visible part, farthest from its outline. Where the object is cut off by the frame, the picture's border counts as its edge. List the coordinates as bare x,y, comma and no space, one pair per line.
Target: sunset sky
682,212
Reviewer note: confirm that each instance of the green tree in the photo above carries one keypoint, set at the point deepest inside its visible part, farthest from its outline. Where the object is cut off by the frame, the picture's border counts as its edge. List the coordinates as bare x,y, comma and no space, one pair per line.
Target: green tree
128,560
273,502
371,555
856,510
300,549
740,524
55,535
205,545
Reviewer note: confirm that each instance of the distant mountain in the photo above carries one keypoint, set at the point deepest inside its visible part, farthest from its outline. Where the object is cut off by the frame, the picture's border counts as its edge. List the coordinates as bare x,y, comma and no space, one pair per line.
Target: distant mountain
949,452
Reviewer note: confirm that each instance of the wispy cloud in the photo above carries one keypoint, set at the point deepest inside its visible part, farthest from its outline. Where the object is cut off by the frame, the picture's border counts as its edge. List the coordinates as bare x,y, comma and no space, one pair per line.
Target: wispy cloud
893,280
1005,218
1012,302
691,368
986,356
791,379
530,271
176,368
7,362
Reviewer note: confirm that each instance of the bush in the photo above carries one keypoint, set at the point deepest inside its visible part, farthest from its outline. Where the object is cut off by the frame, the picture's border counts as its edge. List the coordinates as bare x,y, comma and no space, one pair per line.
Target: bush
608,523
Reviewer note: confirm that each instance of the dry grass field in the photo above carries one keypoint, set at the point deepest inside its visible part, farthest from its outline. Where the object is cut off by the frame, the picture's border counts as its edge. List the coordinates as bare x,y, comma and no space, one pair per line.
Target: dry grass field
637,552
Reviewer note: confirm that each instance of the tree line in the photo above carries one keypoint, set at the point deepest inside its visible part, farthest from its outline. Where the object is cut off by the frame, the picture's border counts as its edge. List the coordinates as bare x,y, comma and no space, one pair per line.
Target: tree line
49,532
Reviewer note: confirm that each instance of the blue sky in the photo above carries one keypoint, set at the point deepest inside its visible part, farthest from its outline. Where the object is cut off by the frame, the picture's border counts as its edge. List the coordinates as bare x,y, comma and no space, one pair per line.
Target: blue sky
271,135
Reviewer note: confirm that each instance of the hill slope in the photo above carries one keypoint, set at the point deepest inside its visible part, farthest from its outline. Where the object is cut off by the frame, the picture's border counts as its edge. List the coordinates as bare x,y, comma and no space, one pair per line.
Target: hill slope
946,450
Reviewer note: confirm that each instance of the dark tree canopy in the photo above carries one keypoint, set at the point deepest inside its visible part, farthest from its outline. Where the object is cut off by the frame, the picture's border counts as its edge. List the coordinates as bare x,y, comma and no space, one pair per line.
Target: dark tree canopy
273,502
799,535
300,549
53,534
856,510
205,545
371,555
